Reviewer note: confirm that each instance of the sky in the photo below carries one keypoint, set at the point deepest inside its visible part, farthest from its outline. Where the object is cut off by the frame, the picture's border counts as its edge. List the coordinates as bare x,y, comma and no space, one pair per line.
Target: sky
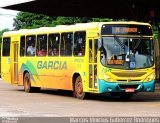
6,18
6,15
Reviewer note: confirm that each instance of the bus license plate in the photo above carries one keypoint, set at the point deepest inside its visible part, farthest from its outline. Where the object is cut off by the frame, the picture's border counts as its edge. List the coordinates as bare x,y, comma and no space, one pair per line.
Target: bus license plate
129,90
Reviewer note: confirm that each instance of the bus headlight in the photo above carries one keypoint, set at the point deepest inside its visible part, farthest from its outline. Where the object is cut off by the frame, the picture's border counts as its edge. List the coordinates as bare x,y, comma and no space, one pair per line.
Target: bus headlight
150,77
107,78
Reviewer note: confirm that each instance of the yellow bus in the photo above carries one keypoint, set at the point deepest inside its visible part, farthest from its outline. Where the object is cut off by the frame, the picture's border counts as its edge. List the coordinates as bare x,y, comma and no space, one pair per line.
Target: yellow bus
97,57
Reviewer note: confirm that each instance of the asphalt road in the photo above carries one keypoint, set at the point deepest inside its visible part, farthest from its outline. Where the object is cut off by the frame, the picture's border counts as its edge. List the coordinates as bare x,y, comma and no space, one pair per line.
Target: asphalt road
14,102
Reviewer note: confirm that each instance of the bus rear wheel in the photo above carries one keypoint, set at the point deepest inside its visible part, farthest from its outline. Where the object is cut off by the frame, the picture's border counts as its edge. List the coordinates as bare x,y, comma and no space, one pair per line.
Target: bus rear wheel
27,84
78,88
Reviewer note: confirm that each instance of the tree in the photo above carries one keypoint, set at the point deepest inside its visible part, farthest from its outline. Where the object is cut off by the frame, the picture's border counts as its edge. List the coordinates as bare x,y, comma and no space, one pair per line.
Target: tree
1,33
25,20
70,20
29,20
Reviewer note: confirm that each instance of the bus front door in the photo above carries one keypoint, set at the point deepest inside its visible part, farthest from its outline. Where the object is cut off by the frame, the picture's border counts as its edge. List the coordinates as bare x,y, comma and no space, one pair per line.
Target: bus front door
93,65
14,63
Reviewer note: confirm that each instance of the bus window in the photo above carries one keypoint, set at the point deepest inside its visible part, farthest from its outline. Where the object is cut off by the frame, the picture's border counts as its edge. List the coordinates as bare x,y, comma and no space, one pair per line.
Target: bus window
95,50
53,45
66,44
6,47
41,48
90,50
30,45
22,46
79,43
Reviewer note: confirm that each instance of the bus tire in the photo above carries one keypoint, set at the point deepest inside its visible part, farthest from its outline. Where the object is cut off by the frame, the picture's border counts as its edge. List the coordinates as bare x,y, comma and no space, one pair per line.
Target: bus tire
27,84
78,88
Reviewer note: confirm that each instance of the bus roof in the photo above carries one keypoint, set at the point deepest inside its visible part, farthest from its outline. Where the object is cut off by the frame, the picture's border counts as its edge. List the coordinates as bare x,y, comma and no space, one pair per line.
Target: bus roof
62,28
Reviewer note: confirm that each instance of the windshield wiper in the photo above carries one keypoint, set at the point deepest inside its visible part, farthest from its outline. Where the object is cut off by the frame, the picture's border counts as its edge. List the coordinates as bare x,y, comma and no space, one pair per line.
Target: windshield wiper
137,44
119,41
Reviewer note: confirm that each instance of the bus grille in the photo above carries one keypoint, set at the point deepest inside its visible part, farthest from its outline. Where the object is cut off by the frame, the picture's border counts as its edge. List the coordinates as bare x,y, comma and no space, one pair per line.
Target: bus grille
120,80
129,74
128,86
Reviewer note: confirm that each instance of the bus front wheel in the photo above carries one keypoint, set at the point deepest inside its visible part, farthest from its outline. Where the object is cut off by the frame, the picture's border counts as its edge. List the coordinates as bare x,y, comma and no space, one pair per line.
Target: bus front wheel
27,84
78,88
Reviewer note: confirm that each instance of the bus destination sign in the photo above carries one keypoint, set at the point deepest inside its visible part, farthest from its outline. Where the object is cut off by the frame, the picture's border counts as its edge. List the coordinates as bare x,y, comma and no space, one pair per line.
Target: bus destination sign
125,29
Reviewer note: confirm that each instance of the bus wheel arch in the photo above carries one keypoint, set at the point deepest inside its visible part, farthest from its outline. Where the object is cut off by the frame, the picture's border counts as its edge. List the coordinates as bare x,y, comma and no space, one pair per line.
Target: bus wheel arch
78,86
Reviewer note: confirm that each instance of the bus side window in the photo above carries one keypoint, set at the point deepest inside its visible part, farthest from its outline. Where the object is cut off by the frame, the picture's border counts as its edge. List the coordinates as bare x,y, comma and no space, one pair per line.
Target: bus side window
22,46
30,45
95,49
6,46
79,43
41,49
90,50
66,44
53,44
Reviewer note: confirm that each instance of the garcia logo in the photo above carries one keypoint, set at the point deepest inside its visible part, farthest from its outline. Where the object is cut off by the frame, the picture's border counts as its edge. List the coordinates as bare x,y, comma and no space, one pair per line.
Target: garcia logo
55,65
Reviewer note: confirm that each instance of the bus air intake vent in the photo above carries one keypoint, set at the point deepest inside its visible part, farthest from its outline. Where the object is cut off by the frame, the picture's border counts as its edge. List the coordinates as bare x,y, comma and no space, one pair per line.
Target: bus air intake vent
129,74
128,86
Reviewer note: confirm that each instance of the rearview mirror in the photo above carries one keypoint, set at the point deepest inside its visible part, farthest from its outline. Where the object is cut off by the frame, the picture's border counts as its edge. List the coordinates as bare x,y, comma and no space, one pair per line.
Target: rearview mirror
99,43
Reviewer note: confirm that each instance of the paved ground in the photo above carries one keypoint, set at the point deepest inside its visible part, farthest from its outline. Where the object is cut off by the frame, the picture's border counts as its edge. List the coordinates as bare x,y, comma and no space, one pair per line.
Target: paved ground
15,102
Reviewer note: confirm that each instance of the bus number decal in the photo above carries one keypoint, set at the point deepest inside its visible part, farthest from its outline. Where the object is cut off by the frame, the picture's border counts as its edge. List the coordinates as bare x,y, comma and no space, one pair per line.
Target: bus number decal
79,60
104,70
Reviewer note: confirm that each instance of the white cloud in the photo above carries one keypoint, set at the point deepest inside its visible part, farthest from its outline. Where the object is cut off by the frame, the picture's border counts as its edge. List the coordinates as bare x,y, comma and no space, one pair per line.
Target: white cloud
6,18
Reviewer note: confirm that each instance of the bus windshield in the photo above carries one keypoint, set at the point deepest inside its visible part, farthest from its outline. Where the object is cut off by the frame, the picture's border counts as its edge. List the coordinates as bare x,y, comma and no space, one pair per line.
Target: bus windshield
127,52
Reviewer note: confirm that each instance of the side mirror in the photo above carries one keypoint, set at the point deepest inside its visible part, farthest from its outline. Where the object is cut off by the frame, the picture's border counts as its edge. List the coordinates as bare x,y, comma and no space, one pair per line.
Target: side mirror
99,44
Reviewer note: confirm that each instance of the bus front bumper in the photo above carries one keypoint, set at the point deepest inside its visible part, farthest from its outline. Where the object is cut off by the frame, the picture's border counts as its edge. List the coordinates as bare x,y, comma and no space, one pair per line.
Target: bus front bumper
109,87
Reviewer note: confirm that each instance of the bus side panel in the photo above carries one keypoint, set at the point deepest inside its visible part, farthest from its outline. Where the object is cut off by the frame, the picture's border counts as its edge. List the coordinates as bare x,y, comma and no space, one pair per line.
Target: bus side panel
45,72
54,72
21,70
48,73
5,69
20,78
67,71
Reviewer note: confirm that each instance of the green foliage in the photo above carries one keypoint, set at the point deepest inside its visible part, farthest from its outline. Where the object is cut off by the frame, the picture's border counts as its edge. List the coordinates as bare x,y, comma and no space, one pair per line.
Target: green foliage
1,33
101,19
155,31
4,30
25,20
69,20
